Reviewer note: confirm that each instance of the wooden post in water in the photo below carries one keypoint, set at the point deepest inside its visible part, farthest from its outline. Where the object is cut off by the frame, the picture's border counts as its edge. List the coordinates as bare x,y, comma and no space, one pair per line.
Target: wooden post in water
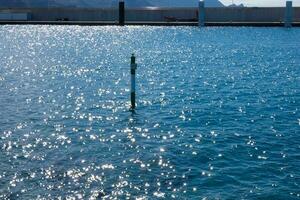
121,13
288,14
201,14
133,67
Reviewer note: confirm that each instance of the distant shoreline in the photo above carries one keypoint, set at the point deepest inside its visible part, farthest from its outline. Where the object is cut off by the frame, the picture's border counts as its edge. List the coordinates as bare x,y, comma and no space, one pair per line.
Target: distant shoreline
146,23
237,16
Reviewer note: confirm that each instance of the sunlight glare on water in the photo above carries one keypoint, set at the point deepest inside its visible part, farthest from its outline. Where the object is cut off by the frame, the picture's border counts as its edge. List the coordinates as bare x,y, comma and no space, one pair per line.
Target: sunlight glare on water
217,113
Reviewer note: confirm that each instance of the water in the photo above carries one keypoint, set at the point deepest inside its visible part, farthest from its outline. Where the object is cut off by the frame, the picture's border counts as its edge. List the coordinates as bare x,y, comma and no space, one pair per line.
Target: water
217,113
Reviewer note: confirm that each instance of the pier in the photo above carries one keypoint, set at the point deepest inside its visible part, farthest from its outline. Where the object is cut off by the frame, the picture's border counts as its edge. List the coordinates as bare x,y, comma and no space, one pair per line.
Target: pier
223,16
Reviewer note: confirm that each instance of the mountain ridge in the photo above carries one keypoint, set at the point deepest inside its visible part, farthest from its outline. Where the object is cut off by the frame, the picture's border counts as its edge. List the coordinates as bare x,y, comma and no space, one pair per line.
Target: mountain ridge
105,3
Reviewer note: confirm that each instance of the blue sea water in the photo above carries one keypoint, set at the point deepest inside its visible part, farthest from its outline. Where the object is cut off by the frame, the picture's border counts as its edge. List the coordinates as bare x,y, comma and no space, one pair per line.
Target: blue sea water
217,113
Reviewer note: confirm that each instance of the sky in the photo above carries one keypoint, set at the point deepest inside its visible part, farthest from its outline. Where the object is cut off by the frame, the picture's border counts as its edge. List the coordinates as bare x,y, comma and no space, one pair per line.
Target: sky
260,3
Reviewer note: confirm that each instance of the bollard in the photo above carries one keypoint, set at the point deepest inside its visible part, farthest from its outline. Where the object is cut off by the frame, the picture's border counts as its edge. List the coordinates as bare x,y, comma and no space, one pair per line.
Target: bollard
121,13
201,14
133,67
288,14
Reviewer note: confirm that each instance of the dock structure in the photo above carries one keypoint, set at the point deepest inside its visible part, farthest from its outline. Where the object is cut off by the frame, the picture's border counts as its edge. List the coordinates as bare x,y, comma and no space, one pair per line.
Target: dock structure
201,14
147,23
288,14
121,13
197,16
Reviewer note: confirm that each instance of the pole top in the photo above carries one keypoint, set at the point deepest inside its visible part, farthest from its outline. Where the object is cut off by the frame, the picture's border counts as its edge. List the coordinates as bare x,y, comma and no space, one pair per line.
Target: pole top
133,64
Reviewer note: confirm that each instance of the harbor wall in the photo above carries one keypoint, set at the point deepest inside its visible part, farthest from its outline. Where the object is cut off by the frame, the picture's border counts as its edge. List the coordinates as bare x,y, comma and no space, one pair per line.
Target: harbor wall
259,14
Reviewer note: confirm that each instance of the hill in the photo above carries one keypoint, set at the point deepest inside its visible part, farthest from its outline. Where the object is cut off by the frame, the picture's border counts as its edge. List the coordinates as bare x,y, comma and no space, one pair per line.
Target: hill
105,3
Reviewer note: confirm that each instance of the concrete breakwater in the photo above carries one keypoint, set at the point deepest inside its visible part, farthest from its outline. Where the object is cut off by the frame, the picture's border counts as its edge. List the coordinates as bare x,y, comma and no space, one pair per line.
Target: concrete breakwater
212,15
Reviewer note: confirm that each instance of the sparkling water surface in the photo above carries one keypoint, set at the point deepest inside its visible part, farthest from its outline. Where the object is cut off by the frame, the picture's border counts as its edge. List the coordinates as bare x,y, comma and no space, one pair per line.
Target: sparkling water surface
217,113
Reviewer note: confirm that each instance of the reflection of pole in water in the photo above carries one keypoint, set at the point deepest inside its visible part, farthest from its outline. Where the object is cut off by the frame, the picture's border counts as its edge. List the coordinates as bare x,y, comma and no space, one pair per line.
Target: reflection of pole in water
133,67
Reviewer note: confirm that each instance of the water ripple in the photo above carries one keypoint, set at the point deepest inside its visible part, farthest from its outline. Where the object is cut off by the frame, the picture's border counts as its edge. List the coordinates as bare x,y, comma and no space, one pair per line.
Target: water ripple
217,115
